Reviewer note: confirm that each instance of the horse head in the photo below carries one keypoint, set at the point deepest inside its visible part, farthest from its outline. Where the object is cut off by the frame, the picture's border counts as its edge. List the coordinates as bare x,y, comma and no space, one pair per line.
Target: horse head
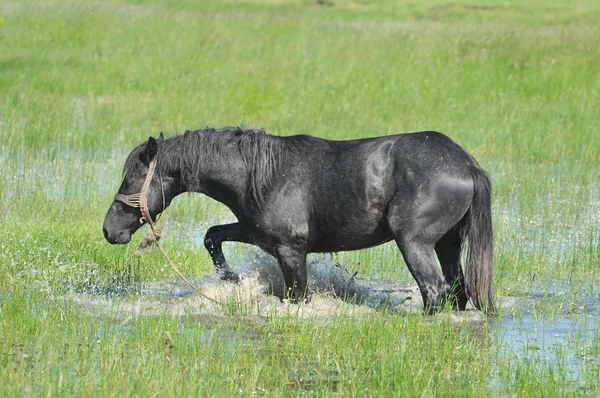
144,193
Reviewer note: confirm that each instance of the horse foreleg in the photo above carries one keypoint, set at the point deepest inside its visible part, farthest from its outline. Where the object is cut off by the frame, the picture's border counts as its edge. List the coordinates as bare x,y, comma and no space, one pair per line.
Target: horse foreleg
293,265
213,240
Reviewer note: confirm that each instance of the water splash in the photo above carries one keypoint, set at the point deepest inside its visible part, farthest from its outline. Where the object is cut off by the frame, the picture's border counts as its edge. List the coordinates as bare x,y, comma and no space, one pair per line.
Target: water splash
333,290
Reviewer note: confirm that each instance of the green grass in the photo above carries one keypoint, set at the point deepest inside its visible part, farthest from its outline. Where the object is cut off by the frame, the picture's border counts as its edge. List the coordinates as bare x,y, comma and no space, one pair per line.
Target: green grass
83,82
59,350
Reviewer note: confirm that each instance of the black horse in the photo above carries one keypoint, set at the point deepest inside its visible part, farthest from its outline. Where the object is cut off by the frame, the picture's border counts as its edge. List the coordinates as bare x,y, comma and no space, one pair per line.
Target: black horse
300,194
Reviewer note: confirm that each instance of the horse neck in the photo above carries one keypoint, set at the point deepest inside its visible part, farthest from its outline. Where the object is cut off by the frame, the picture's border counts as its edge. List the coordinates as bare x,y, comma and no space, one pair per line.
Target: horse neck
220,174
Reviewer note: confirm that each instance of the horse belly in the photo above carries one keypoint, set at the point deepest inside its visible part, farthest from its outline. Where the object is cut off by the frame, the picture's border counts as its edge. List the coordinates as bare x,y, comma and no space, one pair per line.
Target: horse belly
355,236
354,217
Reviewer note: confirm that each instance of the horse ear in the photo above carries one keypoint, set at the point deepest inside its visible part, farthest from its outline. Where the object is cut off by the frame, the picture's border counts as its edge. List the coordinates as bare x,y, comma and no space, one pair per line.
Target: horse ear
161,137
151,148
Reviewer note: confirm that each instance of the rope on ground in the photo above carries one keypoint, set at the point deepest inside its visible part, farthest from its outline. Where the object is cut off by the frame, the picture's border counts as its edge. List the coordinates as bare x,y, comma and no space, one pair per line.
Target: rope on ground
153,237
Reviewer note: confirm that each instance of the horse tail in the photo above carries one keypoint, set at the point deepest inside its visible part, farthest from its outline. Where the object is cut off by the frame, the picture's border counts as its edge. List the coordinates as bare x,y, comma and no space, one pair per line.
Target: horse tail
480,250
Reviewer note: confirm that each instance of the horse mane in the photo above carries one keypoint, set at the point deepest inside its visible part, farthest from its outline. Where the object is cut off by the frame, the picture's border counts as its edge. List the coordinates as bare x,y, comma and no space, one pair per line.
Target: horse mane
195,151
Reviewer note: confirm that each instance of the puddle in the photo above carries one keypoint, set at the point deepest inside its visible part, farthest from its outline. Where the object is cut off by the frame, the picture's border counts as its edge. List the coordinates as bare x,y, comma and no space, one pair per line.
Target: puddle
549,338
334,291
245,309
564,340
554,334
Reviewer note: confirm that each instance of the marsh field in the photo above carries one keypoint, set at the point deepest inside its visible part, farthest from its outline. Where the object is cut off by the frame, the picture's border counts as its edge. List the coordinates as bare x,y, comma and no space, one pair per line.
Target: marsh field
82,82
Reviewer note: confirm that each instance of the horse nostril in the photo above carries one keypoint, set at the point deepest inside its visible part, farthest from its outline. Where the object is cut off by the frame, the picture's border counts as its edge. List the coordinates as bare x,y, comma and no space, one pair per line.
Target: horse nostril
105,233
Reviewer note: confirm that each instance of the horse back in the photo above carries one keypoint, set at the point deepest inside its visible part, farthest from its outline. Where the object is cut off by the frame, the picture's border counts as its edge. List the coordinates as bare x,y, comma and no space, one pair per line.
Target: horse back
371,170
341,190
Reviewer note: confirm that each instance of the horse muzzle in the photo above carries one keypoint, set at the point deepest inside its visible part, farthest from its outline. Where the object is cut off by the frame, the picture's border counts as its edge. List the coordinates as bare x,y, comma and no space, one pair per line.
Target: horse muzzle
119,238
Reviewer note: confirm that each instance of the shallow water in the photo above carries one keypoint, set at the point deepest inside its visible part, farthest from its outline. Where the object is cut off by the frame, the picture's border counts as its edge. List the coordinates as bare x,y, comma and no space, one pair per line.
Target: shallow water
555,332
334,291
549,338
524,329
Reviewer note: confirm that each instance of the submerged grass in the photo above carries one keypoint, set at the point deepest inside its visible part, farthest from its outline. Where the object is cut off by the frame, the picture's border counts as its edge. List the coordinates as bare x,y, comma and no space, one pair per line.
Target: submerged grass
82,82
63,351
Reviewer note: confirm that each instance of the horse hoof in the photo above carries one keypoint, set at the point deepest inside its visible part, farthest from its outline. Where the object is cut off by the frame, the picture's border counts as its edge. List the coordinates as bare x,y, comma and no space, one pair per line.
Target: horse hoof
230,276
305,299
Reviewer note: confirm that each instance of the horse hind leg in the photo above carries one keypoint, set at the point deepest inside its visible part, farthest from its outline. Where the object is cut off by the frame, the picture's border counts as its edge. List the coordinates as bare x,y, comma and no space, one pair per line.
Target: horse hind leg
448,250
419,256
417,230
420,221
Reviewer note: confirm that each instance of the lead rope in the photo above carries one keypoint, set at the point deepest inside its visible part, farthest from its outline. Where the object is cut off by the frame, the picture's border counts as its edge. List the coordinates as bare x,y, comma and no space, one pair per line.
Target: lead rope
154,235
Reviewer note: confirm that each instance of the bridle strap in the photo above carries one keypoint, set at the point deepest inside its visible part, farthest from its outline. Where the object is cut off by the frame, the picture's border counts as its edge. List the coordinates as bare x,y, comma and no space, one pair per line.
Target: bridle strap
140,200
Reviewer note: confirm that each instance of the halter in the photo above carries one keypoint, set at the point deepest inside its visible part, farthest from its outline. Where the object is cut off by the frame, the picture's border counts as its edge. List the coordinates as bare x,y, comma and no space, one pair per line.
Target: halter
140,200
